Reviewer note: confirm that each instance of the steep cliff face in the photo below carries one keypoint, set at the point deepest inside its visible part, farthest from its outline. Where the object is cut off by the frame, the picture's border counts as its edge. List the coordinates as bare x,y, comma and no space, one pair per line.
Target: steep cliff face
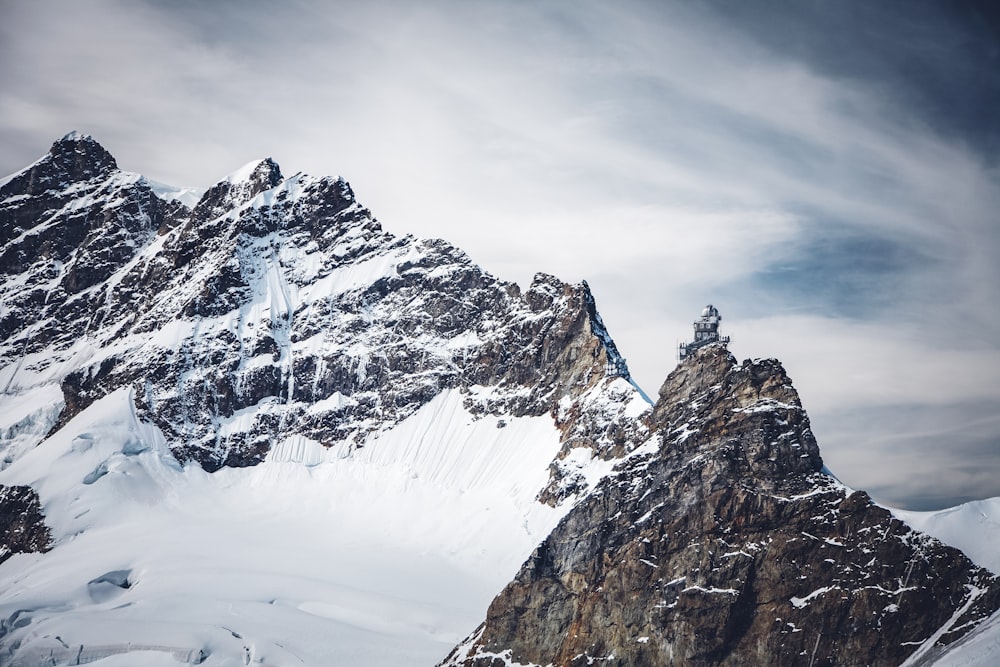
720,541
67,224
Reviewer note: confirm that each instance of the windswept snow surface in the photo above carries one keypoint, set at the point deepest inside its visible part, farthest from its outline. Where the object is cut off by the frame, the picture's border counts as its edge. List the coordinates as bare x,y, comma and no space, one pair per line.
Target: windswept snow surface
187,196
979,649
243,173
387,555
972,527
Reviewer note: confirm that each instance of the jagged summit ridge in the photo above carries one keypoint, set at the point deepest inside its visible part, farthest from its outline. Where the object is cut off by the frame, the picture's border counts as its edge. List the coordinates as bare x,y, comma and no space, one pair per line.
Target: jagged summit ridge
76,135
67,223
720,542
263,170
238,188
278,294
75,157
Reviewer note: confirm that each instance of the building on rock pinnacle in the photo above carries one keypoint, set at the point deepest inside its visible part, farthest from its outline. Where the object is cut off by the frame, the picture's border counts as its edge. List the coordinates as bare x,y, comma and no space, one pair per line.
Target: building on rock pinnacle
706,331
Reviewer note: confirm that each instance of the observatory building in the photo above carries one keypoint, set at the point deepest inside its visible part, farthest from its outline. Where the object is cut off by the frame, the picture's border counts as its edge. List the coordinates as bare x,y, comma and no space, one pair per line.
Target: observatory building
706,331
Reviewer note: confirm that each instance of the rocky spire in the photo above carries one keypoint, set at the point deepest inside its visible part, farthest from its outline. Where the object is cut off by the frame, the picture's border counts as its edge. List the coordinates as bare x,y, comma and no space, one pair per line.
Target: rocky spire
67,222
238,188
720,542
74,158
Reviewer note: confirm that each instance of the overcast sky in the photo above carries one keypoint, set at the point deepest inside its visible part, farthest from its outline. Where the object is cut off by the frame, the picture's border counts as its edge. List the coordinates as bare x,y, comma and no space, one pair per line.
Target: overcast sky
825,173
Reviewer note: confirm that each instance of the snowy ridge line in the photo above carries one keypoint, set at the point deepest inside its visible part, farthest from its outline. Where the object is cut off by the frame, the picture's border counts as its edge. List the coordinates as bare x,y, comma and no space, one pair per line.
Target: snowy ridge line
10,177
186,195
972,527
243,173
616,362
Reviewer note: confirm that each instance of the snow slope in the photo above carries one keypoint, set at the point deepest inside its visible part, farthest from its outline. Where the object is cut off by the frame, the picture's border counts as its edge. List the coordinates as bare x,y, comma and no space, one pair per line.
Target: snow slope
386,556
979,649
972,527
187,196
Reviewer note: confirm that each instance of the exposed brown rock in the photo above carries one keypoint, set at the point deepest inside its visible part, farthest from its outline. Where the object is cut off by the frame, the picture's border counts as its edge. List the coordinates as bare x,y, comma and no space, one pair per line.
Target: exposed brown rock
722,542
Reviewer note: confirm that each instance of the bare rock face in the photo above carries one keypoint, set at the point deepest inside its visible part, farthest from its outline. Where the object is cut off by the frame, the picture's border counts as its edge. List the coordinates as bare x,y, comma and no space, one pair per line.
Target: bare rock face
22,526
720,541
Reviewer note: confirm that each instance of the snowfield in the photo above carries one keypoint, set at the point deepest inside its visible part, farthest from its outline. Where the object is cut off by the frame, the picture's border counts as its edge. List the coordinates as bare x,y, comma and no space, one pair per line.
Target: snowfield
972,527
387,556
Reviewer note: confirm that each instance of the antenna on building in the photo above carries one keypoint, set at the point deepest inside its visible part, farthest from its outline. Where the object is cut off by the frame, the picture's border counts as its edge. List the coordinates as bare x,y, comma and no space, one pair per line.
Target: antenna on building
706,331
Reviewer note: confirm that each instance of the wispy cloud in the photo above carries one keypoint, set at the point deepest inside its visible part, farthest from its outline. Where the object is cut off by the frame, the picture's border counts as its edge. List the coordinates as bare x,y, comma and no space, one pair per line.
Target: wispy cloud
671,154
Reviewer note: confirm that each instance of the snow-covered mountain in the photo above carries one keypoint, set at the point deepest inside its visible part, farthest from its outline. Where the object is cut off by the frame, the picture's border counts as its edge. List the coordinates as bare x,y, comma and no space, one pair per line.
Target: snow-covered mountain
263,430
390,430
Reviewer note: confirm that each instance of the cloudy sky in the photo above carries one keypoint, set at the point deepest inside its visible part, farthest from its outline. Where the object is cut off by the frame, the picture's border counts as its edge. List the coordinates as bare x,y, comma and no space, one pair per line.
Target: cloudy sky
826,173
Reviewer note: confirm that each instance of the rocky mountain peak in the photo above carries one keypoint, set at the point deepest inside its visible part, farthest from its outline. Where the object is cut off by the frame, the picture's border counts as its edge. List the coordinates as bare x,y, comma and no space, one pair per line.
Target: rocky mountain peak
67,222
72,159
277,327
81,157
285,293
706,368
719,542
238,188
709,395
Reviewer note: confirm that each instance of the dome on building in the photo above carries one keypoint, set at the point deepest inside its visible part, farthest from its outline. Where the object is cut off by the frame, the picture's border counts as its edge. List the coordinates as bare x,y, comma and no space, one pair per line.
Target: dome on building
710,311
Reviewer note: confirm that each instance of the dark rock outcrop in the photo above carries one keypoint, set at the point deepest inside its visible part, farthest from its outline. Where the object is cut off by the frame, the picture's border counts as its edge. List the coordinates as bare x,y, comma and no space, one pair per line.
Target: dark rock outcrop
22,525
720,541
68,223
